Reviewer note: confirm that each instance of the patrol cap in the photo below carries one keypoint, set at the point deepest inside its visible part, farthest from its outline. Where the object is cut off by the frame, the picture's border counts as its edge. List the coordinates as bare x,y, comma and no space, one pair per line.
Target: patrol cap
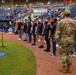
66,12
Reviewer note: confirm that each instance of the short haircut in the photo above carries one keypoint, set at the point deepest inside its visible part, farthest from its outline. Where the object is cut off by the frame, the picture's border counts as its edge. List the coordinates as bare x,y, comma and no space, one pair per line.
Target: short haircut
55,20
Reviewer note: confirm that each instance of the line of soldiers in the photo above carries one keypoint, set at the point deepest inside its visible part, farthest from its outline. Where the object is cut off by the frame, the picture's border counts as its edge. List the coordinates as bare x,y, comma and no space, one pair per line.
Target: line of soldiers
41,30
62,32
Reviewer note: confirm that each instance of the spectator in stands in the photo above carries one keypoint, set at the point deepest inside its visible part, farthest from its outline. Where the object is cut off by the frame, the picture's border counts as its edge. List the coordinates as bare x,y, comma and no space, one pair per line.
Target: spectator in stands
6,27
13,25
25,30
29,17
10,22
34,31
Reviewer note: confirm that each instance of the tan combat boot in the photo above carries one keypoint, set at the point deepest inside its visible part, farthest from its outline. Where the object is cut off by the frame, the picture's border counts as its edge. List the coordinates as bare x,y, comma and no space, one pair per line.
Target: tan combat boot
69,69
63,69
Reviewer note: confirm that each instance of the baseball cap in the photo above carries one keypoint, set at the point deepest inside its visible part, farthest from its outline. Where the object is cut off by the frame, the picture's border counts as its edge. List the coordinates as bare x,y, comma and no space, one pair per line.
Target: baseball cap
66,11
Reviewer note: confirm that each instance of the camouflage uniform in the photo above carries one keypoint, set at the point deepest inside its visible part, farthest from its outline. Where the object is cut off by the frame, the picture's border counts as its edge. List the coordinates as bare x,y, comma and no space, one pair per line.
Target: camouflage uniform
66,36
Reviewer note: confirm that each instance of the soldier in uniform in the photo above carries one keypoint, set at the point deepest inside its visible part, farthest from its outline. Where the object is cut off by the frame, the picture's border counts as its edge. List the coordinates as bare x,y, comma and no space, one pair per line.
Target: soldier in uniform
66,37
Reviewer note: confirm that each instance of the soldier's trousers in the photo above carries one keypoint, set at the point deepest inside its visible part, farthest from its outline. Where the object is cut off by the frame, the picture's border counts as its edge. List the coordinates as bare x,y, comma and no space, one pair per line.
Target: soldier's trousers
66,52
66,58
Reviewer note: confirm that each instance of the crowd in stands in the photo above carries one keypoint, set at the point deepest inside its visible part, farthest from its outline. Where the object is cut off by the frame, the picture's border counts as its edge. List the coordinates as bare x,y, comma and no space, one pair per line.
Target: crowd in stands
73,10
13,13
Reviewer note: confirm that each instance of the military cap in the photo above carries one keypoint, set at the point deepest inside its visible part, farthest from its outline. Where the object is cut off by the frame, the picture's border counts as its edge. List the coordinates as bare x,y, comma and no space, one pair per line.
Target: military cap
66,11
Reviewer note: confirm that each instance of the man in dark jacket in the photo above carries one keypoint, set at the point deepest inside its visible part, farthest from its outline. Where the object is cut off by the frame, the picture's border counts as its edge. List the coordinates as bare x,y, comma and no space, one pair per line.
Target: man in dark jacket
47,34
34,31
29,31
25,31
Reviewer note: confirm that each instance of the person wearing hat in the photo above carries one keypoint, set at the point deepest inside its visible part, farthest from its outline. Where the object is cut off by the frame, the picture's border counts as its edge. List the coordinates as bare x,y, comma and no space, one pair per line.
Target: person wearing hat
66,37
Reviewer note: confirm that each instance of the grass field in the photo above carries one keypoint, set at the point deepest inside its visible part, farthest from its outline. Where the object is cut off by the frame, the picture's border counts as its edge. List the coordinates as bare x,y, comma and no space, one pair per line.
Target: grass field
19,60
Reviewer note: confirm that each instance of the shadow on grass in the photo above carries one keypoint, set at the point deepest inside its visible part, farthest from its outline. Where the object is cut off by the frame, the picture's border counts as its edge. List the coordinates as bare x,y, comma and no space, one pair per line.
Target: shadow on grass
3,47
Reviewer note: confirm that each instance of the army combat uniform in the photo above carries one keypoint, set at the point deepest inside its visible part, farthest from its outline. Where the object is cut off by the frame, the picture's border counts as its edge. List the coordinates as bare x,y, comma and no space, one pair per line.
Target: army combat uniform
66,37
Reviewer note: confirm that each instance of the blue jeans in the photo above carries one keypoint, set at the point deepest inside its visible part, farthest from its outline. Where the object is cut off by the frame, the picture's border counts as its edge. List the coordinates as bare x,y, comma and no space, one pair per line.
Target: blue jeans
13,29
75,47
29,36
25,36
20,34
53,45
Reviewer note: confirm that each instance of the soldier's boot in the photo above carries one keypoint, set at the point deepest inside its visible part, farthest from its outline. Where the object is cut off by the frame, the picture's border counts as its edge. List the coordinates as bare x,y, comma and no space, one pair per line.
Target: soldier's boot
63,69
69,69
